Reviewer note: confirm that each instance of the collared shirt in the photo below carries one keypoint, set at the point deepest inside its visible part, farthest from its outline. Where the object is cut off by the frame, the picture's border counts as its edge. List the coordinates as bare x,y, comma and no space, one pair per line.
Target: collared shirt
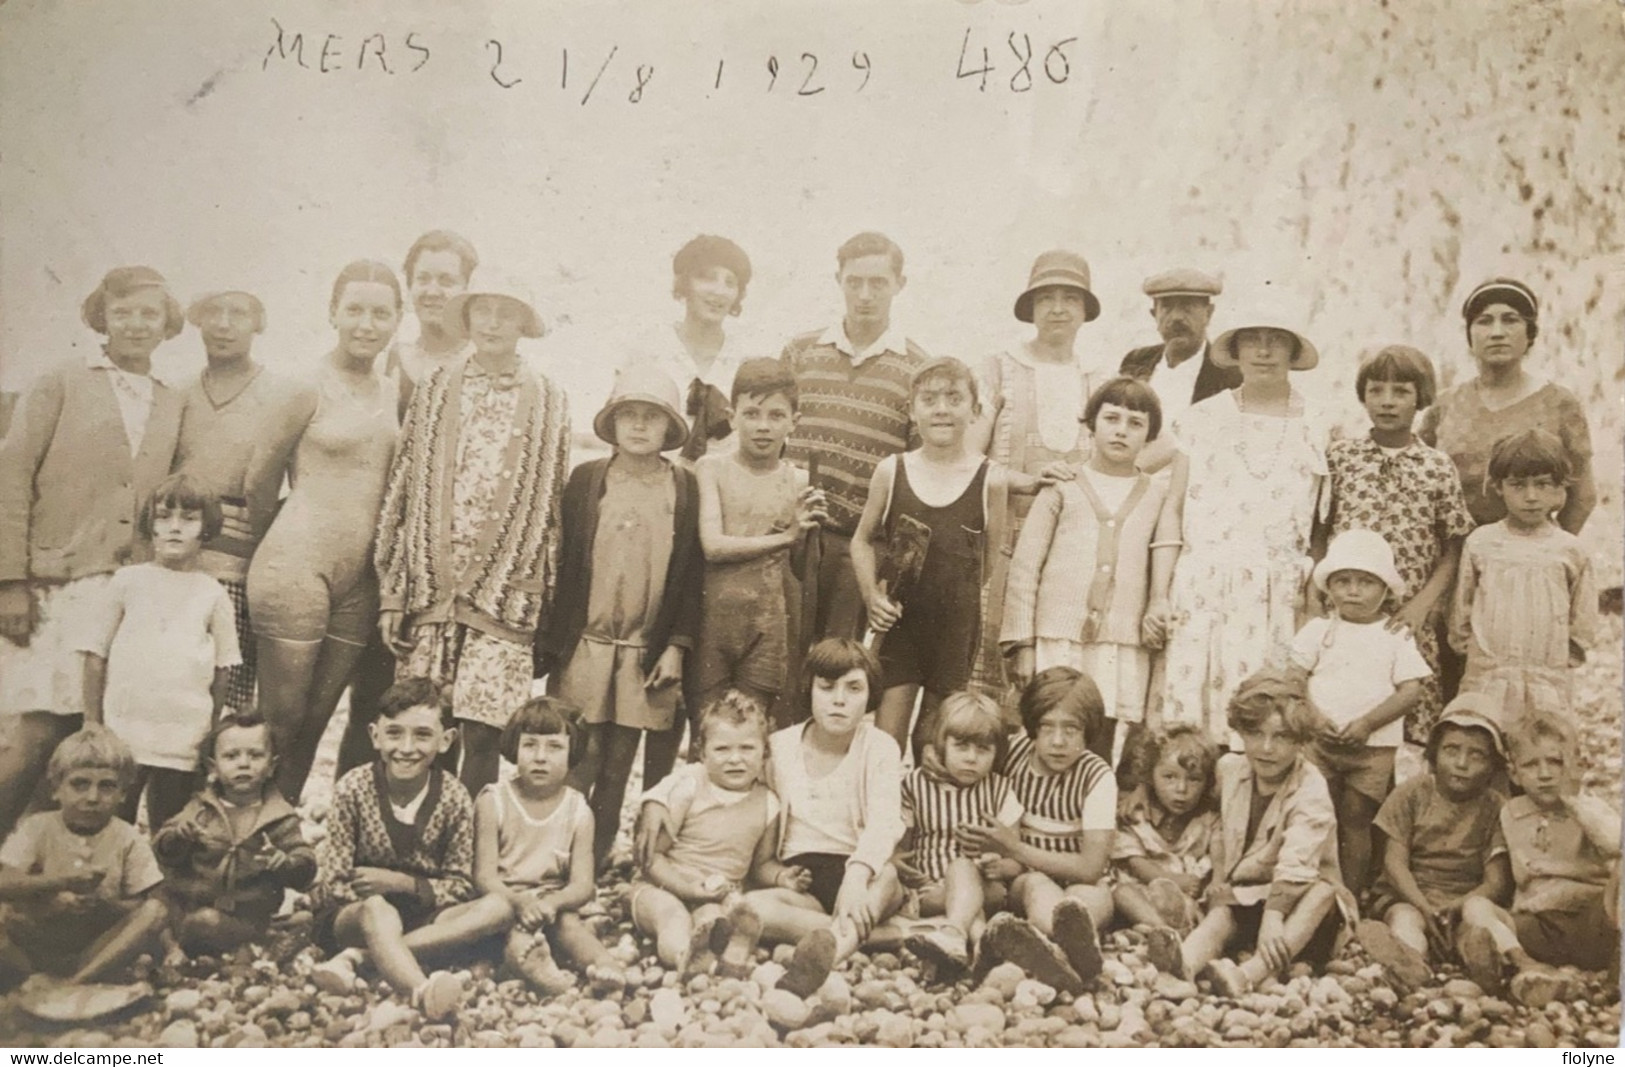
1555,865
133,393
1176,386
890,341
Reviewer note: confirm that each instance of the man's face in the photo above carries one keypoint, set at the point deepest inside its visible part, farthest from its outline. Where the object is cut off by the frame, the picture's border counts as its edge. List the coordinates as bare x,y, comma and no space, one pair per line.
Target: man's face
1182,321
868,283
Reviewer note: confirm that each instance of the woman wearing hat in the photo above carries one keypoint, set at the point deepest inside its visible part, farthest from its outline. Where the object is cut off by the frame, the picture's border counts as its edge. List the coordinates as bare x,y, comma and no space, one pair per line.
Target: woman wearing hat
1505,398
709,275
1037,389
1247,487
468,533
91,440
312,595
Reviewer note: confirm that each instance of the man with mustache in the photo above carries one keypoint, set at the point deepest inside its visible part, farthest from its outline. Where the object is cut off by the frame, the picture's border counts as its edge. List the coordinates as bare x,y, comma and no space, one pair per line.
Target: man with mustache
1181,368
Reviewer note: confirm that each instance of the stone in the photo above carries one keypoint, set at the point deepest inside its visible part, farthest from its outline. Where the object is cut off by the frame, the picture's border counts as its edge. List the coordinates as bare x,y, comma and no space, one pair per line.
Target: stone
1240,1018
966,1017
179,1034
1462,989
871,994
387,1013
767,975
895,1031
836,994
1109,1015
784,1010
667,1010
1441,1009
1076,1037
1539,1035
1004,979
1169,987
183,1002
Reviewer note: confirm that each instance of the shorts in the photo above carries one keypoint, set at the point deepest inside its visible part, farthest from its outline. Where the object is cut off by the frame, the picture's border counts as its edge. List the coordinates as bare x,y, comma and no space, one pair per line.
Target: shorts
931,646
292,600
1582,938
1368,770
828,869
1317,953
744,635
413,912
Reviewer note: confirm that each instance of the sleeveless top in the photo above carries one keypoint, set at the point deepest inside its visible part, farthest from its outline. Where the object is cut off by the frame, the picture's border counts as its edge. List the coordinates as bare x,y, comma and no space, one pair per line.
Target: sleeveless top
953,557
532,852
754,505
722,838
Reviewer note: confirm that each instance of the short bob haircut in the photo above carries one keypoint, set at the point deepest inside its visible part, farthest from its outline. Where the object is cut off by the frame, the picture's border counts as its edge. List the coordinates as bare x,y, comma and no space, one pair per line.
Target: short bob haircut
364,270
870,243
1542,726
442,241
415,692
701,254
93,746
1130,393
763,378
1066,688
179,491
546,716
1189,747
972,717
1528,454
831,658
241,720
945,369
119,283
1271,692
735,709
1399,363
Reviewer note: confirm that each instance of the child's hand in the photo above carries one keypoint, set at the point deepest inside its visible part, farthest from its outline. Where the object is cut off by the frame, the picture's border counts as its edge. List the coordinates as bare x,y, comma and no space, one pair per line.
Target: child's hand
1154,624
1355,734
1272,944
392,631
1023,664
999,839
71,903
798,879
537,912
714,887
668,669
654,821
811,509
1413,616
272,859
852,902
1189,884
82,881
883,611
906,870
1056,471
377,881
996,868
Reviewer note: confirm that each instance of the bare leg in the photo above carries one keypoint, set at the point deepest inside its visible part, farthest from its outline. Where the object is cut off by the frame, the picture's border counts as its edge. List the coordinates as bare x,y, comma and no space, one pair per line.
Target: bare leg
132,935
962,901
895,712
1208,941
1354,818
608,794
375,925
575,940
208,932
1039,895
333,670
130,806
374,673
482,757
659,914
925,727
1408,925
26,744
1133,906
584,775
1306,917
285,672
461,925
787,916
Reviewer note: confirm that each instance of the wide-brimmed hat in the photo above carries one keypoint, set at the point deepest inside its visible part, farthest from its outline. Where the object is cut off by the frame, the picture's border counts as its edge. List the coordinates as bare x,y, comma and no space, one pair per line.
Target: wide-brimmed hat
650,385
1182,281
194,310
454,320
1058,267
1360,550
1472,709
1270,310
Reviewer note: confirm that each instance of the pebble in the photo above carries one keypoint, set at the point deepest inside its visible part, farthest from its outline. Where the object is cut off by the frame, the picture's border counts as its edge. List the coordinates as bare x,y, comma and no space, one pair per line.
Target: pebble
1116,973
1169,987
1384,998
1004,979
179,1034
1241,1018
386,1014
966,1017
667,1010
1038,991
895,1031
784,1010
767,975
1462,989
1539,1035
282,1002
871,994
836,994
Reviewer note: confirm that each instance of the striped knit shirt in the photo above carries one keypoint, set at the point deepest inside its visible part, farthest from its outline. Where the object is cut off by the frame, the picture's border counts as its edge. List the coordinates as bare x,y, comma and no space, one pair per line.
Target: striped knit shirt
1059,808
852,417
934,808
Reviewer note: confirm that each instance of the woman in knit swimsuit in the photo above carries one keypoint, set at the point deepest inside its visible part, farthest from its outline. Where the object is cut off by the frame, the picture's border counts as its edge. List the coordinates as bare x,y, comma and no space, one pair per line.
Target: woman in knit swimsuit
312,595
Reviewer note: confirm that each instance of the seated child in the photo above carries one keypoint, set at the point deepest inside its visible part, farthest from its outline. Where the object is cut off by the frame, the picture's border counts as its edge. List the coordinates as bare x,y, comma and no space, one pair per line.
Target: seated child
1064,843
1275,887
1363,677
957,787
1564,855
533,850
233,850
394,883
1165,826
1439,828
838,780
721,826
76,884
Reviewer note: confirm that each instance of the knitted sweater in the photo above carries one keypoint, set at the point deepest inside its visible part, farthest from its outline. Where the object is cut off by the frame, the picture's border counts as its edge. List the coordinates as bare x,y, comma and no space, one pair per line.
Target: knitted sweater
851,418
438,852
212,867
508,589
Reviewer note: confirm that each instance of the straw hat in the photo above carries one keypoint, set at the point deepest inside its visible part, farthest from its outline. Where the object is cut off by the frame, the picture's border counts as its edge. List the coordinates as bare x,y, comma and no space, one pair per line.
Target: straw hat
455,317
1273,311
1360,550
1058,267
649,384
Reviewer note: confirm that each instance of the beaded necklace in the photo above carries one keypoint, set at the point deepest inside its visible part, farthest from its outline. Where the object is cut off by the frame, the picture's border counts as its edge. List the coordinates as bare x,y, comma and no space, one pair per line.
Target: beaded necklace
1244,446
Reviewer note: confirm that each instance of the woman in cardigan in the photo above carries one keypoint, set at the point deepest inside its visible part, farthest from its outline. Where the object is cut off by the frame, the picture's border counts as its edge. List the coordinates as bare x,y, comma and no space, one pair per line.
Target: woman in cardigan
92,439
469,530
312,596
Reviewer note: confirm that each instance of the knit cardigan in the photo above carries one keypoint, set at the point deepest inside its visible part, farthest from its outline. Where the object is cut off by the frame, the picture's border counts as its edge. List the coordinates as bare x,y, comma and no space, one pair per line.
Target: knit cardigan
214,868
507,589
677,621
438,852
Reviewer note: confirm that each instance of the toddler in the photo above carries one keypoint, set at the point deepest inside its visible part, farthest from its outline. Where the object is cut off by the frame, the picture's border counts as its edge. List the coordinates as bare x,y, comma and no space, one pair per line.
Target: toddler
1165,828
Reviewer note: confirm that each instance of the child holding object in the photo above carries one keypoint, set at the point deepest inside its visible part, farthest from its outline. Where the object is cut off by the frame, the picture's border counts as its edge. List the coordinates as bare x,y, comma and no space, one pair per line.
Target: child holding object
158,663
630,594
533,839
959,785
1363,677
236,847
720,827
1165,828
77,884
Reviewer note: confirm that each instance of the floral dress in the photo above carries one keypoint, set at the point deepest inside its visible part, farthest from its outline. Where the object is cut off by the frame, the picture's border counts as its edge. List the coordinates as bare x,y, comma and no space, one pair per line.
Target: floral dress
1412,496
1237,588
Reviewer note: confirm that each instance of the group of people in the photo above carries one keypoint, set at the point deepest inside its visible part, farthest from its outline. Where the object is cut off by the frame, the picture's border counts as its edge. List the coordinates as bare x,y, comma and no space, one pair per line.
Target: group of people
1153,648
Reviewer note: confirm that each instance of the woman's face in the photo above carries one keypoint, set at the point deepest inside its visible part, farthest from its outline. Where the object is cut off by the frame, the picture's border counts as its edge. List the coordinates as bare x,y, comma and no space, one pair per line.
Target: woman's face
436,278
1499,336
1264,354
496,323
712,294
365,318
135,323
1058,311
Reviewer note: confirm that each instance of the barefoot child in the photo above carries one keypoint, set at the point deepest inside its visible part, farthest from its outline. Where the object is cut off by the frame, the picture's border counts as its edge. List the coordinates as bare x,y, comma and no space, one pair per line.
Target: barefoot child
1165,827
838,781
720,827
236,847
958,786
630,595
930,642
395,866
1087,590
533,838
1363,677
1517,571
158,664
754,510
76,884
1064,844
1438,831
1275,884
1564,855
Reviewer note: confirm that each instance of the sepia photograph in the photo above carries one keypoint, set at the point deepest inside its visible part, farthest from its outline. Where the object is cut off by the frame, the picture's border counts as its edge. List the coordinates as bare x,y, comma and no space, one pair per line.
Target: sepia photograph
936,524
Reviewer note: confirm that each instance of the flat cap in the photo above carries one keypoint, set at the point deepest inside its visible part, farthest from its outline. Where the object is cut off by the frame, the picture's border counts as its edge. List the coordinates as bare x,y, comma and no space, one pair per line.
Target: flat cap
1182,281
